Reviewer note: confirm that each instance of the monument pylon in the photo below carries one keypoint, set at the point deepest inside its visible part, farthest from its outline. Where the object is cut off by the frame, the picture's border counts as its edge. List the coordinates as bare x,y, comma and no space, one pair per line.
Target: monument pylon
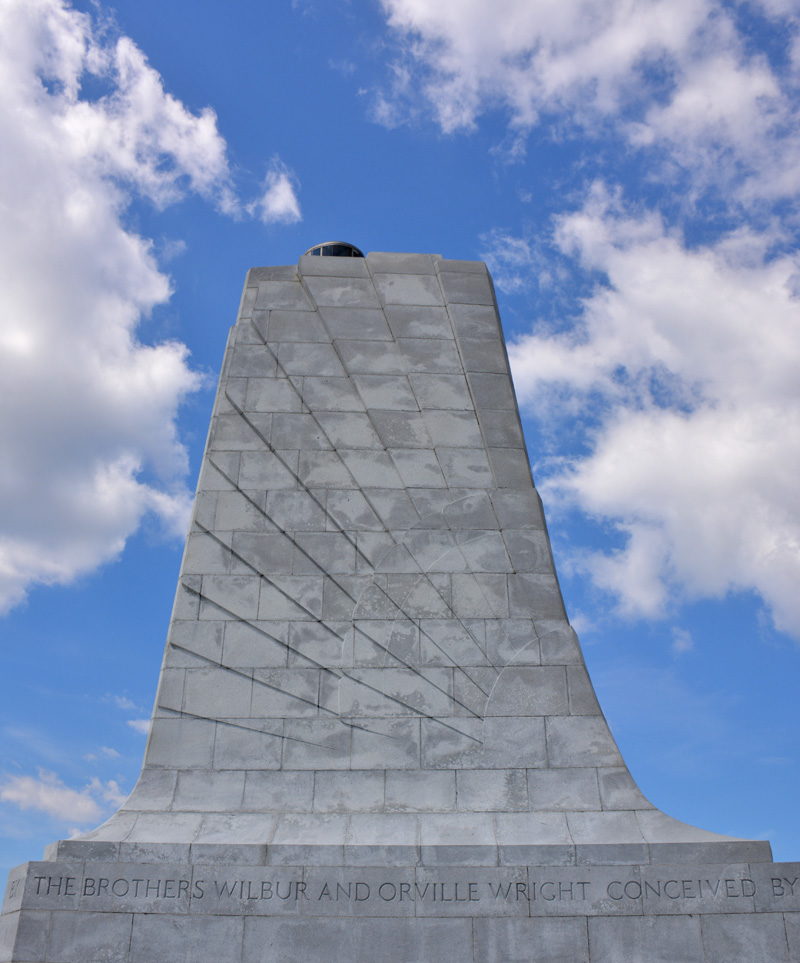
374,736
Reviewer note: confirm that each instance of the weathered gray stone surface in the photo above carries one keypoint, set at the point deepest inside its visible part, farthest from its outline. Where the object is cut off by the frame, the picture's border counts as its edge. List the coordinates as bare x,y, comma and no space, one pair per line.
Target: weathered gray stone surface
374,735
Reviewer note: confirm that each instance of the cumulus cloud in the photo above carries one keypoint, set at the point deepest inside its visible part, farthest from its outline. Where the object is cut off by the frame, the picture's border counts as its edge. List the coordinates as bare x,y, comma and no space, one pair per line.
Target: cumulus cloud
682,641
142,726
88,420
676,74
104,752
121,702
48,794
510,259
683,368
278,204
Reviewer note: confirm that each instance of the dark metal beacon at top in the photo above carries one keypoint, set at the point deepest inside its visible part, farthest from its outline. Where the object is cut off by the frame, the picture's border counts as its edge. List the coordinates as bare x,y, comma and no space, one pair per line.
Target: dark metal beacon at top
335,249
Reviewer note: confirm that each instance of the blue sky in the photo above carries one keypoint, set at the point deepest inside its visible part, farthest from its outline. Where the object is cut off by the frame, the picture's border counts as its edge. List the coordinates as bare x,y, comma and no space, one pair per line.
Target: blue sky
628,168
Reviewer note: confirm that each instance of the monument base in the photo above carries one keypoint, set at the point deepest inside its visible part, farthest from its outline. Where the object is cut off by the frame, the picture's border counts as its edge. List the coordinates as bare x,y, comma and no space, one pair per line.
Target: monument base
102,902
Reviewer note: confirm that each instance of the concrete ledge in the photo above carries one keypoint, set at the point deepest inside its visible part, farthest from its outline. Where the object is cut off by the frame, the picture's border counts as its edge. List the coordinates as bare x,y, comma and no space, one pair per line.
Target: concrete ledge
396,853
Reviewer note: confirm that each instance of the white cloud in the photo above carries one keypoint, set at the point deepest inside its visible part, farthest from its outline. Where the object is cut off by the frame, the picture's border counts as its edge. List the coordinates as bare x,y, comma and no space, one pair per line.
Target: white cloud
109,792
531,57
278,204
676,74
88,421
104,752
510,259
122,702
142,726
48,794
682,641
683,369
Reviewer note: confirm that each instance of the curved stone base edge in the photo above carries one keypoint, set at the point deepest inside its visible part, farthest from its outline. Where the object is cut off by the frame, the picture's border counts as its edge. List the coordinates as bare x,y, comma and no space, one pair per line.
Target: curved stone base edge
148,911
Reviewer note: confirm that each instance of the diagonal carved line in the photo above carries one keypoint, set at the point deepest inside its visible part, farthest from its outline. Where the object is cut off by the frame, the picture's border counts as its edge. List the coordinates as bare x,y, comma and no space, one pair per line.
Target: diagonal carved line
319,621
342,588
295,476
257,628
241,412
332,578
238,725
340,674
239,672
421,573
335,347
267,685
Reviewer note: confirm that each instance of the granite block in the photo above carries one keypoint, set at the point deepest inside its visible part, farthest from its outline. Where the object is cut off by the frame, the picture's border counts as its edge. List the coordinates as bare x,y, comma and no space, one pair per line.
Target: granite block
309,358
381,642
296,511
657,939
492,790
395,288
418,467
564,790
346,429
292,430
248,743
279,791
619,791
353,267
242,512
279,272
580,741
582,699
386,744
233,432
324,469
156,938
283,325
99,937
342,292
401,429
460,266
253,361
392,393
356,323
441,391
191,643
426,355
454,429
348,792
418,321
181,743
250,644
483,744
372,357
351,510
420,791
23,936
266,470
534,595
532,940
399,940
463,288
371,469
386,262
282,294
465,467
330,394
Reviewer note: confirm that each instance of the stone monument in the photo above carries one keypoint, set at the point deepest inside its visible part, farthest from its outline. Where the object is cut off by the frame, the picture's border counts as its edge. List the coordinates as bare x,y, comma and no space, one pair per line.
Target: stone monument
374,737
